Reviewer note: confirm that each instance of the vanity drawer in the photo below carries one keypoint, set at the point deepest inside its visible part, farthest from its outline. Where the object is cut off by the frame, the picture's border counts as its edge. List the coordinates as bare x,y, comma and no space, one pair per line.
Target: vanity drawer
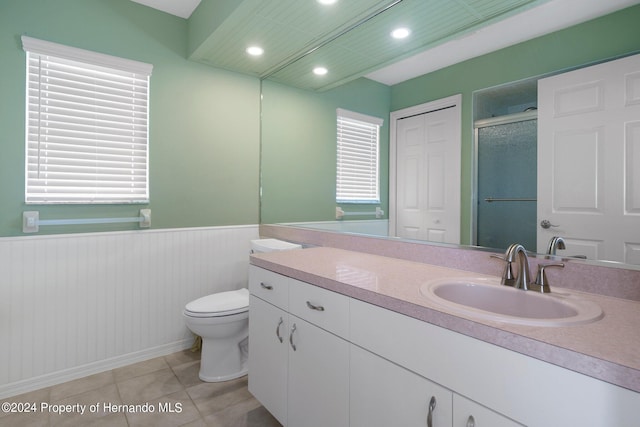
269,286
326,309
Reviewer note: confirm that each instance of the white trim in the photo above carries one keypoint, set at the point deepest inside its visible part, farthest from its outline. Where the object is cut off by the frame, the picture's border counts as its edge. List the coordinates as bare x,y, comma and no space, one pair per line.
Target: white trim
29,44
116,233
473,223
506,119
59,377
359,116
451,101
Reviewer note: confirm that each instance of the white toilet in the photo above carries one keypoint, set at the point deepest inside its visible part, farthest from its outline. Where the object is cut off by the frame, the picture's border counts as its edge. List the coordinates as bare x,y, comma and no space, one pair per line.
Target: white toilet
222,320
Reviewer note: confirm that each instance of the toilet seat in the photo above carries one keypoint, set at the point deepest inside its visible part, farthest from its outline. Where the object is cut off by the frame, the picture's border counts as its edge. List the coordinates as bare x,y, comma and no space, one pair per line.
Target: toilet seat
220,304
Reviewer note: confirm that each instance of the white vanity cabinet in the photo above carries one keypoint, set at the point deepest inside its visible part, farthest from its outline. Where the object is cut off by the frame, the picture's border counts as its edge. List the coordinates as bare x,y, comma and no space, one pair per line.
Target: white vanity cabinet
298,365
319,358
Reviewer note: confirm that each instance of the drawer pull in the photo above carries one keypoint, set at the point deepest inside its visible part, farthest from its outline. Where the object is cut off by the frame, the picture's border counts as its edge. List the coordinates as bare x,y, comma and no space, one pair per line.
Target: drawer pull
315,307
293,329
265,286
278,330
432,407
471,422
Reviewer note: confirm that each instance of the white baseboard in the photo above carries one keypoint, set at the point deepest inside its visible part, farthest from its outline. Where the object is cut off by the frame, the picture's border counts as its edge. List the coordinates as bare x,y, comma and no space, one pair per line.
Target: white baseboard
31,384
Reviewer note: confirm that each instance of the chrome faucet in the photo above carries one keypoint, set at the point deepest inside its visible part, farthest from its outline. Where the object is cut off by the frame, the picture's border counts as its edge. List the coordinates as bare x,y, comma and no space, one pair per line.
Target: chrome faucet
555,243
517,253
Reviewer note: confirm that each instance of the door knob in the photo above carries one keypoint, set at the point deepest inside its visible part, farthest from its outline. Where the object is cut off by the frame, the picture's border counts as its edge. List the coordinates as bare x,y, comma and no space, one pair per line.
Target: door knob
545,223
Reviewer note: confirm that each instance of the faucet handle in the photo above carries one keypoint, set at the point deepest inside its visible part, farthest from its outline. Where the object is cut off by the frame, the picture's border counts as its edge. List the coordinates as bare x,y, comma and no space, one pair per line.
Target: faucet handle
503,258
508,279
542,283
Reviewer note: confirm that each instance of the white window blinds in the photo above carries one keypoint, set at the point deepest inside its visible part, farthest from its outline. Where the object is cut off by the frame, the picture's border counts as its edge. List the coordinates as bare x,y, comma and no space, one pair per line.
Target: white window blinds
87,126
358,158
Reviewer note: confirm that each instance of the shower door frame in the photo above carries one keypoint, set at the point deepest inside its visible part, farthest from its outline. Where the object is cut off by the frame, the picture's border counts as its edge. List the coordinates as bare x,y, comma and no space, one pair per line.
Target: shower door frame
482,123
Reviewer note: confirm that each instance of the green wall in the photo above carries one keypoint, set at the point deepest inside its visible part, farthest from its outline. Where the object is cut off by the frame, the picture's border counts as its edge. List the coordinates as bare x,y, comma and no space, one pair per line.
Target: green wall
298,172
597,40
204,122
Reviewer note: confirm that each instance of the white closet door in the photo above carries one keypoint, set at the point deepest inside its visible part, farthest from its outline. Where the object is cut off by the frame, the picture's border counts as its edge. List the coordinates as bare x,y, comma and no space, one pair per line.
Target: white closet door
589,160
428,176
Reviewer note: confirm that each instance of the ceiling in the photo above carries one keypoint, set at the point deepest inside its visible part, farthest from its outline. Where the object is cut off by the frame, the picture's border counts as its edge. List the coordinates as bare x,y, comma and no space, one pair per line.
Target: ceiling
352,38
181,8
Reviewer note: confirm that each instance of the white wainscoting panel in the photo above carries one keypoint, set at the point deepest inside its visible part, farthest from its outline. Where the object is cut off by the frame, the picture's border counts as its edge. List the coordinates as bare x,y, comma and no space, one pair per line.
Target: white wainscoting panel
76,304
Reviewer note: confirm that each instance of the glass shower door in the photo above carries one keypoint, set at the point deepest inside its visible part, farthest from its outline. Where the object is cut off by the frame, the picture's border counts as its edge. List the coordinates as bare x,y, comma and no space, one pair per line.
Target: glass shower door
507,182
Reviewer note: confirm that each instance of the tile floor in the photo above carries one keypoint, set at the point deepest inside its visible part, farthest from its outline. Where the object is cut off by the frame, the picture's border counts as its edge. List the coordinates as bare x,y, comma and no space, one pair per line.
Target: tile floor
164,384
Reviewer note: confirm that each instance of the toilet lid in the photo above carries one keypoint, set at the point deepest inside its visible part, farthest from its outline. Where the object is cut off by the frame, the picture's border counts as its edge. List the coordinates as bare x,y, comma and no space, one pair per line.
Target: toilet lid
221,304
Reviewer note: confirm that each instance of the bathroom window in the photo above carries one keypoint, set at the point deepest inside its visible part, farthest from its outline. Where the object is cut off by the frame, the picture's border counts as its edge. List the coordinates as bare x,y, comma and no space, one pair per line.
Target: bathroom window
357,178
86,126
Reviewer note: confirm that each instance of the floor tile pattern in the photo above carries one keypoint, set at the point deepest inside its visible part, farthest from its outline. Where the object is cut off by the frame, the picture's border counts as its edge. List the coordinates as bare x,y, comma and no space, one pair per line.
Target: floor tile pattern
161,392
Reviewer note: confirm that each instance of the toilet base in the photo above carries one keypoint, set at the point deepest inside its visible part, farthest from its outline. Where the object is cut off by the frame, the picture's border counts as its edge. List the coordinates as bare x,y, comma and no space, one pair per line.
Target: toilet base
222,378
223,360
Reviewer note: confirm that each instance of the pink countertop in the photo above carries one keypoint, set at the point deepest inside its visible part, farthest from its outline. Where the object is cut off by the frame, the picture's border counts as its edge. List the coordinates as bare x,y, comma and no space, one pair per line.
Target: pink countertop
606,349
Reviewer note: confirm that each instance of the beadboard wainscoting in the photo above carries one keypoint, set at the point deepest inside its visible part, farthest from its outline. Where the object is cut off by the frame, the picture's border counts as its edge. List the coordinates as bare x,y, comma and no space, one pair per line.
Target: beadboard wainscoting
77,304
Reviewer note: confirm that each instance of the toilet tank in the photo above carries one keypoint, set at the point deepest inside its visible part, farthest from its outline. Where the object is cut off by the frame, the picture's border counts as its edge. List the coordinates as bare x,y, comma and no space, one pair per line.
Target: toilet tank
272,245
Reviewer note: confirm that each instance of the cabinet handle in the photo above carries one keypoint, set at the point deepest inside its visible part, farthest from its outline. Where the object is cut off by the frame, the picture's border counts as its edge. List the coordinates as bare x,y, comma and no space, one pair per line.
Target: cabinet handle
315,307
293,329
471,422
432,407
278,330
265,286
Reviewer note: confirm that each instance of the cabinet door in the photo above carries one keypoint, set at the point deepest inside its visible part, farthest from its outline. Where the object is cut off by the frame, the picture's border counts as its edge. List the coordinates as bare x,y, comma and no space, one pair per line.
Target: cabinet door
268,352
385,394
318,377
467,413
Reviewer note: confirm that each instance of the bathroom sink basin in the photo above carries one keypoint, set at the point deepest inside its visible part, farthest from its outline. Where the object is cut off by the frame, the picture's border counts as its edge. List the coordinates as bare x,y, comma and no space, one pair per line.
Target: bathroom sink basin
485,298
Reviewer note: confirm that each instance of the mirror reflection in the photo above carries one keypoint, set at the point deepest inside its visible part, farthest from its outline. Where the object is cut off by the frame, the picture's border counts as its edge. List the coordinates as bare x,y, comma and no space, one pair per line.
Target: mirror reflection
498,96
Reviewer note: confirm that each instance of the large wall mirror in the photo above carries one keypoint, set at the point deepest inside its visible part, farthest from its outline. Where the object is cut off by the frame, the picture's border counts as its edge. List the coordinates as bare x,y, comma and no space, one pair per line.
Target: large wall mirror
491,58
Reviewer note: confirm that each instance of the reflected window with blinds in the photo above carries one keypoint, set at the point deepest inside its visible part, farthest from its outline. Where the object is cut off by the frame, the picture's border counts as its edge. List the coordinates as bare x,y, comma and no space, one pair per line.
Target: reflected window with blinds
87,126
357,178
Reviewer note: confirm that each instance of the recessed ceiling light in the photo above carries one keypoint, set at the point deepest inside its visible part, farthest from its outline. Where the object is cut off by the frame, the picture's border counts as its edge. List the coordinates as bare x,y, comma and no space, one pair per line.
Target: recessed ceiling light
326,2
320,71
255,50
400,33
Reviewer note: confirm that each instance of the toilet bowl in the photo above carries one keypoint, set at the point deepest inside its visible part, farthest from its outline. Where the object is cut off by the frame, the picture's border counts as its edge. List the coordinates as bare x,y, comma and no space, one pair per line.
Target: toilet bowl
222,320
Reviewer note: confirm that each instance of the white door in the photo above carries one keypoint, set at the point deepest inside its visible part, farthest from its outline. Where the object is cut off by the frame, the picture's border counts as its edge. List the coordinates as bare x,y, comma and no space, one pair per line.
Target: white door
427,172
589,160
